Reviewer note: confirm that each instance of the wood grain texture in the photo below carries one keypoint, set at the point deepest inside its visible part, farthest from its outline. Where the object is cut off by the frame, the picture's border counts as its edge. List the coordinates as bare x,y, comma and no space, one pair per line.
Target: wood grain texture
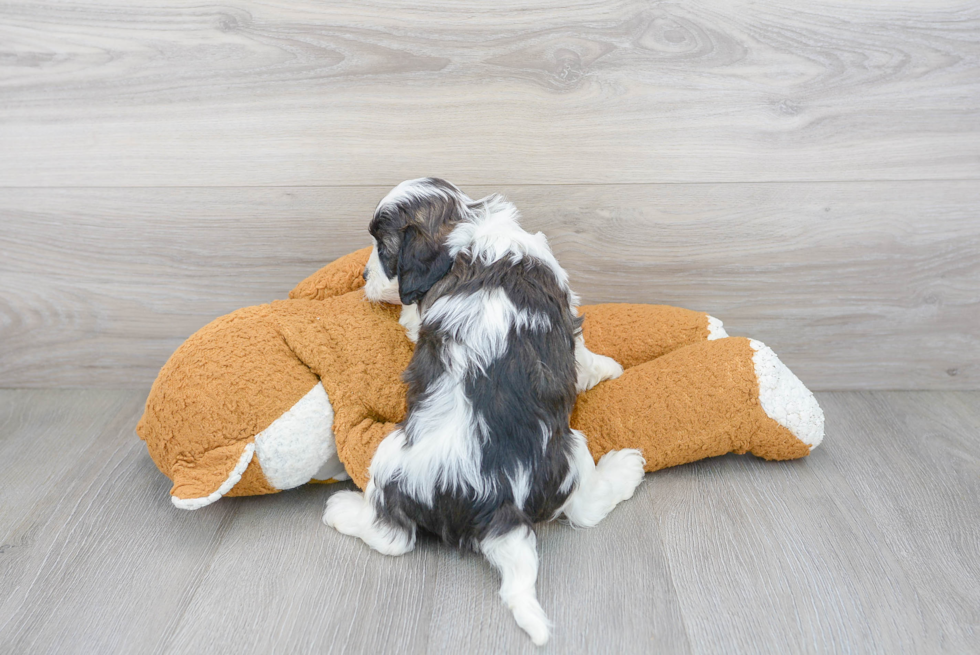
868,545
284,582
87,568
297,93
109,282
32,441
859,285
606,590
770,558
920,489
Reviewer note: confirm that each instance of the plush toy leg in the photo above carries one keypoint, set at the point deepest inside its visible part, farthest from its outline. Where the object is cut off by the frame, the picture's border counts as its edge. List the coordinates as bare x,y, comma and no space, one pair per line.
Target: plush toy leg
784,397
635,334
359,357
213,474
234,412
335,279
703,400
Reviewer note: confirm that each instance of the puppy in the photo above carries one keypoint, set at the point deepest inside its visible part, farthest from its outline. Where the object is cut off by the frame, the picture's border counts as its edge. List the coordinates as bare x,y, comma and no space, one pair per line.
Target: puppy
485,450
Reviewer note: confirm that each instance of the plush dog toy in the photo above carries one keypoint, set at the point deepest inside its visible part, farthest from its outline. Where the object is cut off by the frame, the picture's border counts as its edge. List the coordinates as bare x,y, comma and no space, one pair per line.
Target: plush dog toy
271,397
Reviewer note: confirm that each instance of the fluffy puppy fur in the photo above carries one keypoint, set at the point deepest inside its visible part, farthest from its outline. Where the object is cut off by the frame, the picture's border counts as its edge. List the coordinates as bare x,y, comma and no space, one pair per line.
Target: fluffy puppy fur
485,450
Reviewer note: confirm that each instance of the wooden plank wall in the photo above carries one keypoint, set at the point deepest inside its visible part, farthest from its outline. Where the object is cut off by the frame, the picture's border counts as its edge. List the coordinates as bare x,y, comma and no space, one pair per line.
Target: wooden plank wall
808,172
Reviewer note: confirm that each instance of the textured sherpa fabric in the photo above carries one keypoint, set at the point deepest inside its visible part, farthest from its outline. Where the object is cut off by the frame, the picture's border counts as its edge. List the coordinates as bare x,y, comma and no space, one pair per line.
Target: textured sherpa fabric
359,351
681,398
222,387
635,334
236,376
366,382
698,401
335,279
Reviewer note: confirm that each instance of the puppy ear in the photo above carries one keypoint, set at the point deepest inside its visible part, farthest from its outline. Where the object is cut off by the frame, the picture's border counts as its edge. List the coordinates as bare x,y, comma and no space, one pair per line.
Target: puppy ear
422,261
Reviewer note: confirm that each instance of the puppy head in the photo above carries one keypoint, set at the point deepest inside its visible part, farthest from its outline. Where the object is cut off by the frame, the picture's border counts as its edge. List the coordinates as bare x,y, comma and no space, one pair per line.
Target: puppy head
409,229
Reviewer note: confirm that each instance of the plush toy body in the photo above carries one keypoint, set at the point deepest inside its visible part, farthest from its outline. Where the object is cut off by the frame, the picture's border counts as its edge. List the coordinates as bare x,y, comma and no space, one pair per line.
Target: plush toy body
271,397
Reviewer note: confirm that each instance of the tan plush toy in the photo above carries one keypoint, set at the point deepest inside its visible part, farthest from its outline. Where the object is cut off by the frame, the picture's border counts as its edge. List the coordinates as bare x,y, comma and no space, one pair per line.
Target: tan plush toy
271,397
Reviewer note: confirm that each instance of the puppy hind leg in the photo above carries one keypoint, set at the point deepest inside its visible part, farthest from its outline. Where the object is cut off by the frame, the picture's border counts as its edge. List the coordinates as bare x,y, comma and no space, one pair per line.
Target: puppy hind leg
514,554
353,513
600,486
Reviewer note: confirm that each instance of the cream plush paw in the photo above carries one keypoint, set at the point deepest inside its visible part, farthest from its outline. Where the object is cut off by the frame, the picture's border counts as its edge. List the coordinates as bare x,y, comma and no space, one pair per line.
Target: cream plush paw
784,397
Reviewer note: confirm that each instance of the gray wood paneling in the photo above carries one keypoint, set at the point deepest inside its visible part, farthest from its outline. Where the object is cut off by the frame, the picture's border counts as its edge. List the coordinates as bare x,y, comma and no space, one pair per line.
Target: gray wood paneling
856,285
99,286
868,545
298,92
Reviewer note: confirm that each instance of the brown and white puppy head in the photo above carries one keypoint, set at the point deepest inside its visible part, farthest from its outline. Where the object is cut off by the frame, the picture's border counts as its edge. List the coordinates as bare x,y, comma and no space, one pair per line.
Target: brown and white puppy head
409,230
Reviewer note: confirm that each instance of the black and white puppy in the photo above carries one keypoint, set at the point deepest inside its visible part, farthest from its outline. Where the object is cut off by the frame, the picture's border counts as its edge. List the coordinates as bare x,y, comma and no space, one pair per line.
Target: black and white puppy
485,450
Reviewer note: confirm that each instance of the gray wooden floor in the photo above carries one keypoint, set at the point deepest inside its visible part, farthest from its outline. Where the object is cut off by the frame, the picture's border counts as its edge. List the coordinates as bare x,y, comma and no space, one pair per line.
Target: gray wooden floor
869,545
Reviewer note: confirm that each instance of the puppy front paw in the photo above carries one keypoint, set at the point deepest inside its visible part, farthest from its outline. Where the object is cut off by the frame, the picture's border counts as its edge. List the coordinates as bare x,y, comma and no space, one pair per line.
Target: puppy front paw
593,369
411,321
606,368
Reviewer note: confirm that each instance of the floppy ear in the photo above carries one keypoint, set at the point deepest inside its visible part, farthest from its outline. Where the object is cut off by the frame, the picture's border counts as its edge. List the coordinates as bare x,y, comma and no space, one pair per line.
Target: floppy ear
422,261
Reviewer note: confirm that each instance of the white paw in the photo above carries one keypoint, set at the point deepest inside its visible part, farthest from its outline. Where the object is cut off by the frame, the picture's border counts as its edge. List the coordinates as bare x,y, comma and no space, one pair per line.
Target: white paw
531,618
623,469
593,369
347,511
606,368
411,320
350,513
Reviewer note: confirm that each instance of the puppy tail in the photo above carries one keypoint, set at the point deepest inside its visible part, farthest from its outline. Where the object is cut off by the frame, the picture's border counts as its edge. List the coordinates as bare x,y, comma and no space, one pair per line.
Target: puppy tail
510,546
